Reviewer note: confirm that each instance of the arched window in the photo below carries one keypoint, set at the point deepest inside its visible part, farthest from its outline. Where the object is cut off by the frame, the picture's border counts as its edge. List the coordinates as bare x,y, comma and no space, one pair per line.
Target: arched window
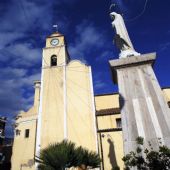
53,60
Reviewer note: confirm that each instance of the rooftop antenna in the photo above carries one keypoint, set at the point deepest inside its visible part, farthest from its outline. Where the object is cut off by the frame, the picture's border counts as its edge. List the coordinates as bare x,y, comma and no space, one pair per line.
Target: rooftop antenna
55,27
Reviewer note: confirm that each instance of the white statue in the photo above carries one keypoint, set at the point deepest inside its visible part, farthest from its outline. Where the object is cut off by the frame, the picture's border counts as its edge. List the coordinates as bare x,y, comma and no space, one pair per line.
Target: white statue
122,39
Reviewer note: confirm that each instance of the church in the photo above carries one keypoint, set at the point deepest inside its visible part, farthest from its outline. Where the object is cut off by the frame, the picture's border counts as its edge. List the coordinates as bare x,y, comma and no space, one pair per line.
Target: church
65,107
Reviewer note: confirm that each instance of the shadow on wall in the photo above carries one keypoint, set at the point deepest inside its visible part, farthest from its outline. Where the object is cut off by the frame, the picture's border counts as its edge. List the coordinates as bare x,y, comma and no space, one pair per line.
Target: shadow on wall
121,101
112,154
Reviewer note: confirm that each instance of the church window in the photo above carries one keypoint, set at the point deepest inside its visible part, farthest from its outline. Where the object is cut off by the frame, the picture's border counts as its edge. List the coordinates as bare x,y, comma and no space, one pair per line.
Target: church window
27,131
17,132
53,60
118,123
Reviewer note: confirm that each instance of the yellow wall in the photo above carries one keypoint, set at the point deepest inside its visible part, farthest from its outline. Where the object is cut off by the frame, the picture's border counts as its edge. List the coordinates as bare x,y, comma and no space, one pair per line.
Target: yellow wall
24,148
78,105
166,92
107,122
107,101
112,149
52,106
112,142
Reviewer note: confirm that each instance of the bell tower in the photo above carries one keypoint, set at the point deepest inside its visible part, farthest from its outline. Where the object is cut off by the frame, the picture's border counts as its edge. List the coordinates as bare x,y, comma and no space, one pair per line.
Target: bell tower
52,109
55,53
66,98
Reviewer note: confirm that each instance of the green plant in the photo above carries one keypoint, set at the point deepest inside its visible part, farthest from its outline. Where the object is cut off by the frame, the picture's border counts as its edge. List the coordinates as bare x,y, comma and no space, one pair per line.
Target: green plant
87,159
116,168
63,155
148,159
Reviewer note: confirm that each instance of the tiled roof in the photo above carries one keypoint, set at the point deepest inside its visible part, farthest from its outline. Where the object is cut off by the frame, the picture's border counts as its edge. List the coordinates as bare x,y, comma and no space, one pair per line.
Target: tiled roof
55,34
110,111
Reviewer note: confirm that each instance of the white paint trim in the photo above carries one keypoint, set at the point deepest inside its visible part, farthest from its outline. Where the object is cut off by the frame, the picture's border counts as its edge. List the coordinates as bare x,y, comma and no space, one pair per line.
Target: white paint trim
93,108
138,116
154,118
65,100
38,136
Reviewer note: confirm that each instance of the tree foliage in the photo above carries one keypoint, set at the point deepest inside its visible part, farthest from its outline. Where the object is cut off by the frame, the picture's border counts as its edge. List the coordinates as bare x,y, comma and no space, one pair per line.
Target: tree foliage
65,154
148,159
87,159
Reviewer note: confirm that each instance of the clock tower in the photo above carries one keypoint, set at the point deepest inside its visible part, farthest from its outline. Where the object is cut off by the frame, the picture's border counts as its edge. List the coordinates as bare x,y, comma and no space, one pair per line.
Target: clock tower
66,108
52,107
55,52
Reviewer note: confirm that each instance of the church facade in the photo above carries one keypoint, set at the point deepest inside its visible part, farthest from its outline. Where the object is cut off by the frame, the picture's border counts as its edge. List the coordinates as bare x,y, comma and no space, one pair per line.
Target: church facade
65,108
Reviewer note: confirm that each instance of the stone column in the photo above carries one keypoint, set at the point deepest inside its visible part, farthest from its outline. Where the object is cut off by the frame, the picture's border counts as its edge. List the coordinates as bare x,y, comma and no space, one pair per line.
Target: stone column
144,110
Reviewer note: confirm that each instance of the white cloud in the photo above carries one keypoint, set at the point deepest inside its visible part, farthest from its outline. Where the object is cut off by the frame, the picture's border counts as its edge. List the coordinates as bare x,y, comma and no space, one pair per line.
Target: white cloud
87,36
12,82
28,80
106,55
11,73
165,46
97,81
22,15
25,54
98,84
9,37
21,54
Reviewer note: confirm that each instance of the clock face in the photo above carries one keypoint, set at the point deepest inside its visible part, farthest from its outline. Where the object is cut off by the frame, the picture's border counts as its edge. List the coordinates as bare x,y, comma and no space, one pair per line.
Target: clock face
54,42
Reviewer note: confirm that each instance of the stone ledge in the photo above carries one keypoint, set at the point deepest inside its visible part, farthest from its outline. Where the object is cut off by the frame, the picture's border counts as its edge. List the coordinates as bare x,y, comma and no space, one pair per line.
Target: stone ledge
130,62
134,60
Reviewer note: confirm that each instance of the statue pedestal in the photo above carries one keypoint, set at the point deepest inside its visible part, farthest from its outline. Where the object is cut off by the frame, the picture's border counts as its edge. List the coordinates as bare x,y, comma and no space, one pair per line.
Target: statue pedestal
144,110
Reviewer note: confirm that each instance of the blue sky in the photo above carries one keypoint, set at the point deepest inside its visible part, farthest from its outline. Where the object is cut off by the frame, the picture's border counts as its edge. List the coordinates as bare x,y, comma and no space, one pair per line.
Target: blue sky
87,27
